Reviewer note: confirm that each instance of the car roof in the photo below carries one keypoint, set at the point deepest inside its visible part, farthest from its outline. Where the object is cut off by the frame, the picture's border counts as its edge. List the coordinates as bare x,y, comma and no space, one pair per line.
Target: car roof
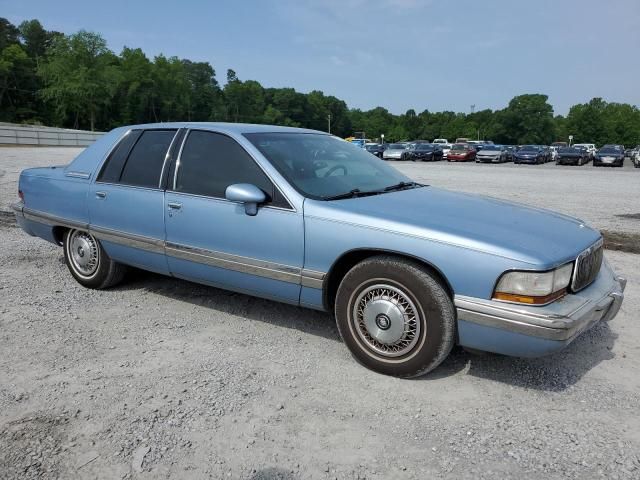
231,128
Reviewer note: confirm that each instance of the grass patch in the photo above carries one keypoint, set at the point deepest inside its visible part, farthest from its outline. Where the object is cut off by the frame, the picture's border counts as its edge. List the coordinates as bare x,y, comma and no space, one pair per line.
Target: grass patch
624,242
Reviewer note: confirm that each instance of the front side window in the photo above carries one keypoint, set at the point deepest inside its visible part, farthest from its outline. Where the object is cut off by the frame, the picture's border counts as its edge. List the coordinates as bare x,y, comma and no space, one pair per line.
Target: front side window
321,166
210,162
144,165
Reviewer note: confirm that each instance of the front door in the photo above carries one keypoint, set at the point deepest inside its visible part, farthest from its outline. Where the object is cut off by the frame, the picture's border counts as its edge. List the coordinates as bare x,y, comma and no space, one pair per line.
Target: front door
212,240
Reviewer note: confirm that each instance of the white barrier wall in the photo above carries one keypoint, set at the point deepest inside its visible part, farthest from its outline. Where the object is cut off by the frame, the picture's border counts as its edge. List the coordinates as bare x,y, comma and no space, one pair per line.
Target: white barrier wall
45,136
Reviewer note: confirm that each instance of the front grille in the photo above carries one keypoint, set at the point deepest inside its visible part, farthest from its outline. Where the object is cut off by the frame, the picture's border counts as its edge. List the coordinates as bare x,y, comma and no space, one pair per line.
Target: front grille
587,267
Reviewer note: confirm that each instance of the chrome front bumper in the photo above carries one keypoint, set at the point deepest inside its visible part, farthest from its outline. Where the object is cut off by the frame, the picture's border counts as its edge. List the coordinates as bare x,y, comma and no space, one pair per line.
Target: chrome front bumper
561,320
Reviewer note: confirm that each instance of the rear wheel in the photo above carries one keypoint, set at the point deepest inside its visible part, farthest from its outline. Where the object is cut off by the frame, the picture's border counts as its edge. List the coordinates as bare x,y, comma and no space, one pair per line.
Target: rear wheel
395,317
88,262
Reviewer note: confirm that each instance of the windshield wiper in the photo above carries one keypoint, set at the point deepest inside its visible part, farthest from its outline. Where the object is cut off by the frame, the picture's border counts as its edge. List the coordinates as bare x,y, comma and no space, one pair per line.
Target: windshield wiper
350,194
400,186
356,192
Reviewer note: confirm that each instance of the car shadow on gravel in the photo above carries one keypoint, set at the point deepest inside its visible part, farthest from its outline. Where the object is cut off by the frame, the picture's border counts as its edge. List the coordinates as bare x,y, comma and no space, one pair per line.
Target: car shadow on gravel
553,373
556,372
232,303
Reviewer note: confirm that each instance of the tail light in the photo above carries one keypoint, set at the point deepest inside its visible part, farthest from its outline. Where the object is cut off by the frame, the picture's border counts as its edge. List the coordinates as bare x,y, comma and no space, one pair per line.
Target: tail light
21,195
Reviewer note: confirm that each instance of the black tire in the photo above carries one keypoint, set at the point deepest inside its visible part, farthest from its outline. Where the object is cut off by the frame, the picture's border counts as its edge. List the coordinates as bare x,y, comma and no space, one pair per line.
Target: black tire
100,271
417,295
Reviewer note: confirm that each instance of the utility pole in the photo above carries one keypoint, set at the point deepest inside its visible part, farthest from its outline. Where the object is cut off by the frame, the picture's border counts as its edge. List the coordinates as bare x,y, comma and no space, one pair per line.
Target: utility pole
473,108
329,122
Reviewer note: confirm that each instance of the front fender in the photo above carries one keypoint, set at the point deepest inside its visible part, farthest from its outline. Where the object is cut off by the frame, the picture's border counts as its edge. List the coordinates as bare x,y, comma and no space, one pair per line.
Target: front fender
468,272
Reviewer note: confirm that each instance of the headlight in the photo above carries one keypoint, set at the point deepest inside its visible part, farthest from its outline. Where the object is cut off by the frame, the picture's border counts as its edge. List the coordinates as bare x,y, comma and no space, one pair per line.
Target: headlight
534,288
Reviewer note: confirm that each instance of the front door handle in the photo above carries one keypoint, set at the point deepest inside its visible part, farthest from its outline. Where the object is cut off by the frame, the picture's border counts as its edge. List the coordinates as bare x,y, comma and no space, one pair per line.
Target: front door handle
175,205
101,195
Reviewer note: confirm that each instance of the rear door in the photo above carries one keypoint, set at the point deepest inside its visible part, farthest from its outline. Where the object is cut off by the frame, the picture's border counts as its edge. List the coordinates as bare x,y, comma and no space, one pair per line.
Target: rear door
126,202
212,240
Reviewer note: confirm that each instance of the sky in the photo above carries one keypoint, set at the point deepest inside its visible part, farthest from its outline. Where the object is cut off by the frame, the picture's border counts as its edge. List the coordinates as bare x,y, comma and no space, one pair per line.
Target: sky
399,54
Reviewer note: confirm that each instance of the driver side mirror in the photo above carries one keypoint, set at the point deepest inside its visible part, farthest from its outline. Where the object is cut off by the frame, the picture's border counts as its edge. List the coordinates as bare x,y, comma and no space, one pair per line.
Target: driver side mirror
246,193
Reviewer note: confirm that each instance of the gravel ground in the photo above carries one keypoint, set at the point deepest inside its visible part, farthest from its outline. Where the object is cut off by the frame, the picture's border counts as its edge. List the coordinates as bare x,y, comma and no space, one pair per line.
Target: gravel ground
165,378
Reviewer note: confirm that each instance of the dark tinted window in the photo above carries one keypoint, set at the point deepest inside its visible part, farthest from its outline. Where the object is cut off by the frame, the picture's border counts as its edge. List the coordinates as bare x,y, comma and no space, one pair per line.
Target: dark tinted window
210,162
144,164
113,166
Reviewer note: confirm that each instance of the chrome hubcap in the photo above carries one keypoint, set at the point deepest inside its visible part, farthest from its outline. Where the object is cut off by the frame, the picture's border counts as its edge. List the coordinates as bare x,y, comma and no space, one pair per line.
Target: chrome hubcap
386,320
84,253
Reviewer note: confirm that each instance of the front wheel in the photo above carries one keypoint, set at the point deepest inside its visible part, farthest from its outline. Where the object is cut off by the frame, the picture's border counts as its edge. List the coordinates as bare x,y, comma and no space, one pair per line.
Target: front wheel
88,262
395,317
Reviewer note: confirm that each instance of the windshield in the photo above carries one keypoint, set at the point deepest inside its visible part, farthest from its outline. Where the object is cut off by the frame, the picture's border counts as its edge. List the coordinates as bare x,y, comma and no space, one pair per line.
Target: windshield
529,148
397,146
372,147
321,166
459,147
570,149
424,146
489,148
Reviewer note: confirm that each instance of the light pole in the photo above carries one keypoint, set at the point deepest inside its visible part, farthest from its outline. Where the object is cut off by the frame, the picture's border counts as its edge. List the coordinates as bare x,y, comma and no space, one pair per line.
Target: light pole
329,122
382,138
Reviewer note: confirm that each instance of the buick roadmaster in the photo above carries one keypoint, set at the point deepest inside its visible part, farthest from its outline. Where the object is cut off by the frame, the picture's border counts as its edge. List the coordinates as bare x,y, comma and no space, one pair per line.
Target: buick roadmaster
300,216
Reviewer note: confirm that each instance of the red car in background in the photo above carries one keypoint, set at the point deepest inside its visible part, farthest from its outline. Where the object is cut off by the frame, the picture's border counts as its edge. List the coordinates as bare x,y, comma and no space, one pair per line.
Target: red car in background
461,152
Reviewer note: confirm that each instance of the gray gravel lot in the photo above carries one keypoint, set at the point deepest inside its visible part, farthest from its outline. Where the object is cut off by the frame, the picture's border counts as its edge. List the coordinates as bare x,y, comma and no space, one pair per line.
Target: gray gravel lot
164,378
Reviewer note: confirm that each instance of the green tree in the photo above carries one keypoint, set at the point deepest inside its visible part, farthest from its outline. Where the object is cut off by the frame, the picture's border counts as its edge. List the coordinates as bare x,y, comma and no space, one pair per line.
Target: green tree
80,77
15,67
528,119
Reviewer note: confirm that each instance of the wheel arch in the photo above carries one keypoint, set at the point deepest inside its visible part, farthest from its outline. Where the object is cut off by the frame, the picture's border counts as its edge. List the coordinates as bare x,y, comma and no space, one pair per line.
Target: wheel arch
350,258
58,232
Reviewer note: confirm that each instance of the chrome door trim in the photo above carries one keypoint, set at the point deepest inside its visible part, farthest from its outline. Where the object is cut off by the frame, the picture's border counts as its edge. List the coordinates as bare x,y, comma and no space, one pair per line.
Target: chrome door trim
142,242
224,200
237,263
312,278
166,158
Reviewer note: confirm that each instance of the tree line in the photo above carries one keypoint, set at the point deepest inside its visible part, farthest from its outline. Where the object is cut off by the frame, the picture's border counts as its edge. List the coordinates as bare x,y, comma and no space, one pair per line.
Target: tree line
76,81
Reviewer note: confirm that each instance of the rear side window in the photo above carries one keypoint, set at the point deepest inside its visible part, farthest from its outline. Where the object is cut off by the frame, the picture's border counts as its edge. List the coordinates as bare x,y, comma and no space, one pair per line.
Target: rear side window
115,163
144,165
210,162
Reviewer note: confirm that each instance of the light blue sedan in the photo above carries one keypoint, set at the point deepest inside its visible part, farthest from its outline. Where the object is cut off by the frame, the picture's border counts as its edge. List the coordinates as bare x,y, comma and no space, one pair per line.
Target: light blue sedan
302,217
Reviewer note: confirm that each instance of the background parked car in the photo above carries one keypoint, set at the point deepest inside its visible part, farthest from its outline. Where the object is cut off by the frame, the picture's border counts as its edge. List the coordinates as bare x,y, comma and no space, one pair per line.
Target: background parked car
461,152
572,156
424,152
394,151
492,154
591,148
441,141
376,148
529,154
635,157
510,150
445,149
609,155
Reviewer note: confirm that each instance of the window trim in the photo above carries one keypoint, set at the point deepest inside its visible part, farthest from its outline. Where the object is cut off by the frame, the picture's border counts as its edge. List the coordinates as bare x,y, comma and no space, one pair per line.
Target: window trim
170,187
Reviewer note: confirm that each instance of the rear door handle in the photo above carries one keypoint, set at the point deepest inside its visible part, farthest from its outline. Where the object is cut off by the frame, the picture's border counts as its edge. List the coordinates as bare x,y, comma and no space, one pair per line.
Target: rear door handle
101,194
175,205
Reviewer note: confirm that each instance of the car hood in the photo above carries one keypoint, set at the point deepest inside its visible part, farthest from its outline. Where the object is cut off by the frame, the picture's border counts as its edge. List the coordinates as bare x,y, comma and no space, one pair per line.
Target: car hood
395,150
527,154
458,152
527,234
489,153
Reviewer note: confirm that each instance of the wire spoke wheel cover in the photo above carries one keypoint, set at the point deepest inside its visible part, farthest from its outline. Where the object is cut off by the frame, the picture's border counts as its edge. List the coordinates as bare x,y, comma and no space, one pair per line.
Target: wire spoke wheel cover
84,253
386,319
